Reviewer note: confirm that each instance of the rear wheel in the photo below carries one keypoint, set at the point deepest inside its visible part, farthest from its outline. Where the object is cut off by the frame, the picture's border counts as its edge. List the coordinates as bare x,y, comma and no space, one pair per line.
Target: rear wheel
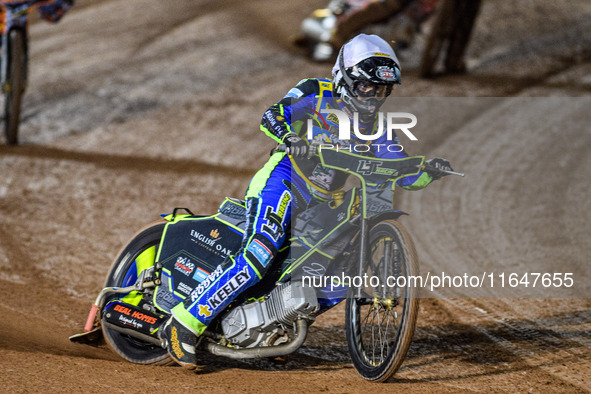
380,324
14,87
141,251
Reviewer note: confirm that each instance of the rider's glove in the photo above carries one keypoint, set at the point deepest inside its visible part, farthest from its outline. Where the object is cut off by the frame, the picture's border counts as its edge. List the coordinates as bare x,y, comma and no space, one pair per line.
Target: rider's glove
295,146
434,167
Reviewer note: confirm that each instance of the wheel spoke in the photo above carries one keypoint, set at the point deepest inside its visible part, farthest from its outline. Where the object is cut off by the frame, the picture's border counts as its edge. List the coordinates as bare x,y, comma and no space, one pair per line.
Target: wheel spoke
380,325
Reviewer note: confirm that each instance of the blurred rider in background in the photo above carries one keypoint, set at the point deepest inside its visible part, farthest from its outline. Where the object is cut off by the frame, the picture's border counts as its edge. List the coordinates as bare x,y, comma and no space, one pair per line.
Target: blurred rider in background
365,73
326,30
51,11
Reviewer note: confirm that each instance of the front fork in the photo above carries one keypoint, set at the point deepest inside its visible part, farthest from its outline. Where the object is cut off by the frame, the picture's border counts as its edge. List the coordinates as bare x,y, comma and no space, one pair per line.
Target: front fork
391,253
363,250
4,61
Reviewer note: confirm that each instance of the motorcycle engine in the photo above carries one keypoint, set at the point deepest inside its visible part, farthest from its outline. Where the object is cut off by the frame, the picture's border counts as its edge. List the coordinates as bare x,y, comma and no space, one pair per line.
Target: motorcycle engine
264,323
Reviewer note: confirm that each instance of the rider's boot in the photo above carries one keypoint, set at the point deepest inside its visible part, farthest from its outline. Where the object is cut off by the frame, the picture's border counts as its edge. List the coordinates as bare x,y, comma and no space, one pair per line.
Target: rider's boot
179,342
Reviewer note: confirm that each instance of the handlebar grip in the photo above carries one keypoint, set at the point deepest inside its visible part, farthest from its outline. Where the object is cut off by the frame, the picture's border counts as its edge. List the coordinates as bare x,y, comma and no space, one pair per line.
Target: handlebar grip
427,168
278,148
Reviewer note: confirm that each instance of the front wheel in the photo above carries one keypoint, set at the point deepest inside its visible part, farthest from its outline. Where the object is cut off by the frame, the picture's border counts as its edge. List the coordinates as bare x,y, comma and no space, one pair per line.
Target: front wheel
139,254
14,88
380,324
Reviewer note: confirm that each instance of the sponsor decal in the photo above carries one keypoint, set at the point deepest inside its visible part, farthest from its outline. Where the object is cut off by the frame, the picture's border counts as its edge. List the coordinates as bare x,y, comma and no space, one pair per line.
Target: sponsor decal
205,284
379,207
204,311
233,210
381,54
274,218
184,265
203,238
260,252
273,122
233,285
184,288
122,309
166,298
295,93
143,317
132,317
368,167
176,345
223,250
270,118
130,322
332,118
200,274
386,73
210,243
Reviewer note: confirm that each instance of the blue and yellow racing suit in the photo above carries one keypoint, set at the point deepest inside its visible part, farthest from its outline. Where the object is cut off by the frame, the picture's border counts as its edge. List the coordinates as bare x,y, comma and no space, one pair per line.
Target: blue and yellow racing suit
276,191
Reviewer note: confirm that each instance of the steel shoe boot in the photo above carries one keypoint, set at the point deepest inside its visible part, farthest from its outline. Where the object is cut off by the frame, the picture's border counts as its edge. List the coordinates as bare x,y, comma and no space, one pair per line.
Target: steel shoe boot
179,342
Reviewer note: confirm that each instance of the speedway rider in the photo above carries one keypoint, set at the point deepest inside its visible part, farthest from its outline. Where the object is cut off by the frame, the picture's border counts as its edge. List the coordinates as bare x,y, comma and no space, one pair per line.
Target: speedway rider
365,73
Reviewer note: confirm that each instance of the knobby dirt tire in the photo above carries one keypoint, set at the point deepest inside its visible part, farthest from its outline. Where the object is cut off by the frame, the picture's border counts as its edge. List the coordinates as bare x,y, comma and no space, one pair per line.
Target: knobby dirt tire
361,319
14,89
132,349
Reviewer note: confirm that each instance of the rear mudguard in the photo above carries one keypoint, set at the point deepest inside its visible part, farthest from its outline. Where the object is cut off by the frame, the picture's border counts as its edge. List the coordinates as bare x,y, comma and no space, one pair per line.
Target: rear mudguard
389,215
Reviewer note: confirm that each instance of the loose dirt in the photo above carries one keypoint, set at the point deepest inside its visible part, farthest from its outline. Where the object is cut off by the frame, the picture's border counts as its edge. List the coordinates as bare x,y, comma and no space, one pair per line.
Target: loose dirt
134,108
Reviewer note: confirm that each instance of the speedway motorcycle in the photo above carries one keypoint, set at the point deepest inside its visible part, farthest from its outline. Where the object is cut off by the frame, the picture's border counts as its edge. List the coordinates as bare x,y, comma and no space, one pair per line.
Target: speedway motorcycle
354,234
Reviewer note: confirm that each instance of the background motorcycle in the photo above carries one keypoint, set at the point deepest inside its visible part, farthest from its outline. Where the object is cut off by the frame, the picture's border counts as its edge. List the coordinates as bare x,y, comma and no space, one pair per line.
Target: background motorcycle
326,29
14,64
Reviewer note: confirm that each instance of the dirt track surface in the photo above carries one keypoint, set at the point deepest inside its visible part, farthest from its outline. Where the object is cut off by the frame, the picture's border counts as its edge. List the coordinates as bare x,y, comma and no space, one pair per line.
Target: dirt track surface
134,108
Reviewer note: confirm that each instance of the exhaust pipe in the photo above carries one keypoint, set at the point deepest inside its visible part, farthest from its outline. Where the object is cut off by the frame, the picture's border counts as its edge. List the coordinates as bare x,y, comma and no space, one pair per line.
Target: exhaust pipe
238,354
261,352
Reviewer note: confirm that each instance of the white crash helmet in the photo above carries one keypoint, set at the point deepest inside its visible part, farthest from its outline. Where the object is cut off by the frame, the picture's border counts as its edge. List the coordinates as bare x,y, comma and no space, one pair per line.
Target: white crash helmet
364,74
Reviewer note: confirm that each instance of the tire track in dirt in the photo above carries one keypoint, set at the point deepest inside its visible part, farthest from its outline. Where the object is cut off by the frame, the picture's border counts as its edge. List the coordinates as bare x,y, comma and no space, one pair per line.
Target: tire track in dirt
127,162
535,347
174,15
496,194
